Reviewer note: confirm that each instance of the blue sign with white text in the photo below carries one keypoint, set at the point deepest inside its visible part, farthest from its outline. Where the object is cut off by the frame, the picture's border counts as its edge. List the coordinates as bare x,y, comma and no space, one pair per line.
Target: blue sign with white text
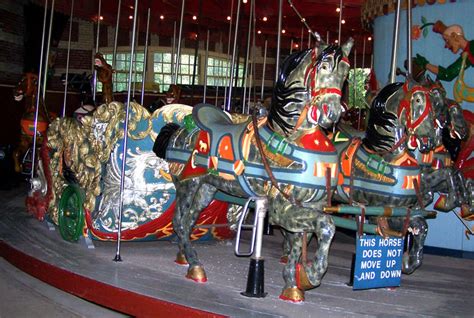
378,262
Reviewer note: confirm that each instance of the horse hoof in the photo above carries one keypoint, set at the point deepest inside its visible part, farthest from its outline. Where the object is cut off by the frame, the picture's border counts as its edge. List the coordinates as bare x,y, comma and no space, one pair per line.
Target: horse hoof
181,259
292,294
284,259
302,280
197,274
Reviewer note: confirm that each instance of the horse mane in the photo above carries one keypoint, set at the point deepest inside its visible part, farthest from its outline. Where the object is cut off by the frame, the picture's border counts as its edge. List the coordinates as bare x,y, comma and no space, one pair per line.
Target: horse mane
285,93
381,119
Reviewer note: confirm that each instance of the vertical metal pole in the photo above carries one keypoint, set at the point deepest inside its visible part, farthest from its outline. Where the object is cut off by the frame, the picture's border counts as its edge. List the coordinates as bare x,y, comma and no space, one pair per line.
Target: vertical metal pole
277,59
309,40
205,67
228,49
63,113
393,65
125,134
117,25
38,95
263,70
48,46
302,38
234,49
94,80
363,54
261,207
135,59
291,46
254,60
340,23
145,57
354,82
173,52
327,37
409,42
178,53
249,35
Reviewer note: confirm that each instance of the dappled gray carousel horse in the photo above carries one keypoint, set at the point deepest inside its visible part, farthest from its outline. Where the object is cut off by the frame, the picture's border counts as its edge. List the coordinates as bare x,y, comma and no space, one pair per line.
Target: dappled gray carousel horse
212,154
380,170
438,172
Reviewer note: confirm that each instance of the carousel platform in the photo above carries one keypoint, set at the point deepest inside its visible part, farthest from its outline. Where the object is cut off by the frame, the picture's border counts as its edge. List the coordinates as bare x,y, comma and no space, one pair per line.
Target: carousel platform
147,282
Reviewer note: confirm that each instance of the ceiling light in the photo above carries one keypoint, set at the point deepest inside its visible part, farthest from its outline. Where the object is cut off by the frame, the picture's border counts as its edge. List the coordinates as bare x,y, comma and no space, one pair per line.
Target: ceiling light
265,19
338,9
195,17
228,18
336,41
162,17
370,38
244,1
343,21
101,17
130,17
283,31
259,32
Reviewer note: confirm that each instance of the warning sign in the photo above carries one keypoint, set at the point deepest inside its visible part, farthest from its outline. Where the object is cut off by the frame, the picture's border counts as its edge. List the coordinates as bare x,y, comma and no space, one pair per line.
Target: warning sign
378,262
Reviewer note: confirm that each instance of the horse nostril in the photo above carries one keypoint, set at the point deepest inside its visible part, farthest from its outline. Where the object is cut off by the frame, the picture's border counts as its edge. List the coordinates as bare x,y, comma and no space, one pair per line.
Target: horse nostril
325,108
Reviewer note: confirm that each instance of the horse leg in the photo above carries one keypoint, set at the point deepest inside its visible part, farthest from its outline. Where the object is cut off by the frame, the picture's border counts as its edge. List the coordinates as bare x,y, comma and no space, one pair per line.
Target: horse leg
286,248
414,241
311,273
188,208
19,152
291,292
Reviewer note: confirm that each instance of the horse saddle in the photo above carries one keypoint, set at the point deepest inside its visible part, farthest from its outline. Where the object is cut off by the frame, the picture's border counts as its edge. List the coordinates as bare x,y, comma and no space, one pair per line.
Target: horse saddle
226,138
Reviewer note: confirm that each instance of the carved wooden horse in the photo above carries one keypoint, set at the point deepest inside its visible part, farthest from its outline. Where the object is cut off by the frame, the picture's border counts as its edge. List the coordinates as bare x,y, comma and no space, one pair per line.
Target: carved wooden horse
380,170
104,75
26,90
287,150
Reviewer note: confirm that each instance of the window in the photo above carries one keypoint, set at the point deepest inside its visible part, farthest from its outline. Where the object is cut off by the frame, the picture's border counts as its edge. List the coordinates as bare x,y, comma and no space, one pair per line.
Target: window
218,72
163,74
120,76
357,97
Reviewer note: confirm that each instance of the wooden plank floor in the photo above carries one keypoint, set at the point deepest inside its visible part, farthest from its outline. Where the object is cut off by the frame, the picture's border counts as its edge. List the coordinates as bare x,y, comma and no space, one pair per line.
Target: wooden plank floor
442,287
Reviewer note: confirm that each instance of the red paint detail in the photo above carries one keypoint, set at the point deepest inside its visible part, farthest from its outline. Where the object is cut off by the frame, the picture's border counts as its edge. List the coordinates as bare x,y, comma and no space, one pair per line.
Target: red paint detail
325,108
289,299
216,211
197,280
37,205
463,162
106,295
324,144
182,263
298,278
188,170
326,90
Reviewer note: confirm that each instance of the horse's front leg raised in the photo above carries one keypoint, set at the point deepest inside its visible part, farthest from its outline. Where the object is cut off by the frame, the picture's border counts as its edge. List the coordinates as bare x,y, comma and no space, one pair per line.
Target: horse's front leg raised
191,198
300,275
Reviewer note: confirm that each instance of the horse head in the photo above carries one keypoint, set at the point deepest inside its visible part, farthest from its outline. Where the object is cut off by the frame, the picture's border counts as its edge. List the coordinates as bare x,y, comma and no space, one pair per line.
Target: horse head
26,87
401,112
417,114
173,94
309,88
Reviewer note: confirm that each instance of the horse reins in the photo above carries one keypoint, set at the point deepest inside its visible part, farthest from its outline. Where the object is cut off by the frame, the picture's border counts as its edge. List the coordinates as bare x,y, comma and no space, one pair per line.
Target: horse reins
266,165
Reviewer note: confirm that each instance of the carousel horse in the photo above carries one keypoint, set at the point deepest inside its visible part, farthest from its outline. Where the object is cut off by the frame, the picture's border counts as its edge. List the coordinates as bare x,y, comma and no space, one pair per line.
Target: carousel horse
380,170
438,172
268,157
104,75
173,96
26,91
439,175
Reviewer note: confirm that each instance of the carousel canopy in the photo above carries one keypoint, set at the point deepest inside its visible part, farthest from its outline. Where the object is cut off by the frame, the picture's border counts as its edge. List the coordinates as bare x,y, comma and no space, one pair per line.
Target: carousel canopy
322,16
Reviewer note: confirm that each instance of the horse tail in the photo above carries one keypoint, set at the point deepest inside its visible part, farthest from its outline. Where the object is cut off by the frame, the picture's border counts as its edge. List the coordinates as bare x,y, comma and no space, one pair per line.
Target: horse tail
163,138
